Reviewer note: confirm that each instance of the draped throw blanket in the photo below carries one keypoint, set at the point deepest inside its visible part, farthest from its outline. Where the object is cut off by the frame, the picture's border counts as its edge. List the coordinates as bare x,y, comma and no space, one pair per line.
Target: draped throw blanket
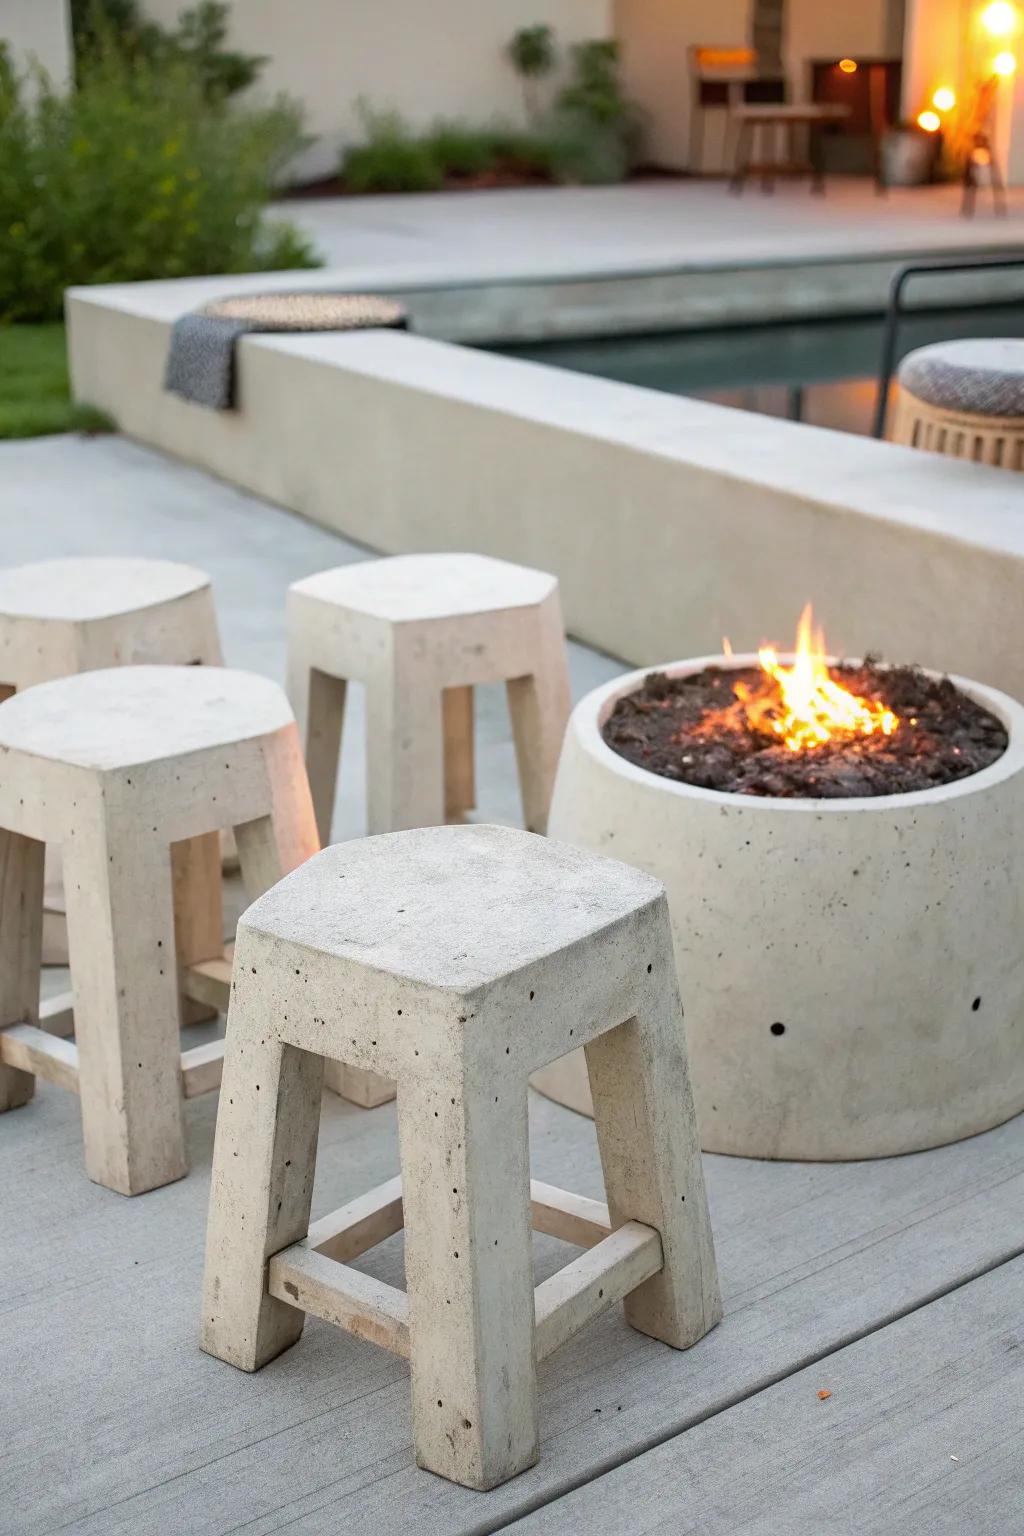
201,359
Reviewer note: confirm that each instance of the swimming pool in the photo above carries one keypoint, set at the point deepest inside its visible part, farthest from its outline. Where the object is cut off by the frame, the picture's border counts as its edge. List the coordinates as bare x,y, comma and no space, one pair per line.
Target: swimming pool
820,372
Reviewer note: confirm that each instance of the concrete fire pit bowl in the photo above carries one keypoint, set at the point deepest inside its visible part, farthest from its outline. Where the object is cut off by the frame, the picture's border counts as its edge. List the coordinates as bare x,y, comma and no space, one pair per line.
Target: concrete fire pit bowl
852,970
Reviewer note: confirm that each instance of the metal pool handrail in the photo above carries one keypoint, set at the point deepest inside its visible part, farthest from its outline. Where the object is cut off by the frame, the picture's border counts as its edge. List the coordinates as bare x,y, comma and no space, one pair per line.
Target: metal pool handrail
894,314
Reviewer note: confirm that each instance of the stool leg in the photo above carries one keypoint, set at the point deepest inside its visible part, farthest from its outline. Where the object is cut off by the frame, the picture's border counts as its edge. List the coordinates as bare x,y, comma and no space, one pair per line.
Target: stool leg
647,1135
539,706
206,633
121,940
21,937
469,1269
198,910
263,861
264,1159
318,700
404,752
459,752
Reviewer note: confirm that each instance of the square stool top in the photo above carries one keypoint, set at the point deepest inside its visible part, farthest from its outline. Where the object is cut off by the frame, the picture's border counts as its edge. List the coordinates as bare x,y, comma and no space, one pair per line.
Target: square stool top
449,908
125,717
85,589
406,589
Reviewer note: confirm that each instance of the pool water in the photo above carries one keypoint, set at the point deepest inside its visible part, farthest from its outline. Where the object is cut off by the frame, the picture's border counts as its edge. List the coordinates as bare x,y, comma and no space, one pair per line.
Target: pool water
821,372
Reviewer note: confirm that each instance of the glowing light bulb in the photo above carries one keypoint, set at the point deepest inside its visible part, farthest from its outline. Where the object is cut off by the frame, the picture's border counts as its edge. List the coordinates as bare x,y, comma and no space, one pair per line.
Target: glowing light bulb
999,19
1004,64
944,99
931,122
848,66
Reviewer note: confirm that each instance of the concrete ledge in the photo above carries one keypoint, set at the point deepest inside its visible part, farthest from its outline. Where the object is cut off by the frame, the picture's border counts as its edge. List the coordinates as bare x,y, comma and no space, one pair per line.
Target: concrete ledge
669,522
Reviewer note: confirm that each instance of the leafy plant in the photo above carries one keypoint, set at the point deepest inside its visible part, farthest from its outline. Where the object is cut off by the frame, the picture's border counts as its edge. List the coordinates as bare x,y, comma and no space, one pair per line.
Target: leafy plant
198,41
532,55
392,159
596,130
461,150
135,174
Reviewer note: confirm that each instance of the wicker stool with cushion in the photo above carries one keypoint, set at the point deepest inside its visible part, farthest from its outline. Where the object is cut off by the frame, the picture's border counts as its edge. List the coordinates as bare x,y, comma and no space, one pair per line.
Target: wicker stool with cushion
965,399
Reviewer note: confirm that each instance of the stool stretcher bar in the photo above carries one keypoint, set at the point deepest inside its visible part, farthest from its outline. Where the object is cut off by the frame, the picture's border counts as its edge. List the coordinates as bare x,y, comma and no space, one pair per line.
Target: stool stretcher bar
313,1276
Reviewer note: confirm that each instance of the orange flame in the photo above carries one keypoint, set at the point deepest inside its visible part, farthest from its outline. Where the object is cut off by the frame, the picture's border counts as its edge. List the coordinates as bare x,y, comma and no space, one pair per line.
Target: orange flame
815,709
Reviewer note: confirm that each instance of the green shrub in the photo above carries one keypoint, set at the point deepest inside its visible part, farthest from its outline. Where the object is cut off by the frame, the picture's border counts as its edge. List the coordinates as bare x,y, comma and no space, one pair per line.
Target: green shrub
461,150
596,130
392,159
136,174
197,41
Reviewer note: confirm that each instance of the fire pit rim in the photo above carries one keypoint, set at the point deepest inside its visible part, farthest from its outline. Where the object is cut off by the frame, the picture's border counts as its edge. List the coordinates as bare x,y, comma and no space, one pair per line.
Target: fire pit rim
591,713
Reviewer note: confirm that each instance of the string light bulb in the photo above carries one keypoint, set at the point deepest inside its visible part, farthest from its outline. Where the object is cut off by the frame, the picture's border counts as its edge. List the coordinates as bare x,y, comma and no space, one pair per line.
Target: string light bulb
931,122
944,99
1004,64
1000,18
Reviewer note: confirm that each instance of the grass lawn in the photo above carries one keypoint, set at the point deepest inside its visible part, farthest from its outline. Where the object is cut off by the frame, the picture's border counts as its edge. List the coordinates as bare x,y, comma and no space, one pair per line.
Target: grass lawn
34,392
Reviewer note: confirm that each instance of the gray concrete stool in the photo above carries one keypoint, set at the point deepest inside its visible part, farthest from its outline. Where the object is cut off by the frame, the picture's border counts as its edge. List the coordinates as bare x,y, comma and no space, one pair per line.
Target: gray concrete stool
117,766
420,631
60,617
457,960
964,399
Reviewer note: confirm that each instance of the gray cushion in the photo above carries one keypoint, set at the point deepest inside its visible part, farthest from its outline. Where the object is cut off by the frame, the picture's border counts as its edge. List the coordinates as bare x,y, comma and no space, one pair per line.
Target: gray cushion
985,378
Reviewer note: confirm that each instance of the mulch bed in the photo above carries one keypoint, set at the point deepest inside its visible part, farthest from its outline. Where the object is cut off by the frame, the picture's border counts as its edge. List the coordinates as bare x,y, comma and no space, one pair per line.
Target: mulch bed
693,730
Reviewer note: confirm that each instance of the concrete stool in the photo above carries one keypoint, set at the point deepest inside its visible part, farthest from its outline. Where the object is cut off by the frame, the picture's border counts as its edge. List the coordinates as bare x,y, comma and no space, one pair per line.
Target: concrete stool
457,959
117,766
964,399
59,617
420,631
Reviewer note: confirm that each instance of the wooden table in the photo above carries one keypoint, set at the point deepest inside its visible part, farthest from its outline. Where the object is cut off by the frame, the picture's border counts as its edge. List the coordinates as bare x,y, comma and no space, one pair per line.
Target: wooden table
773,122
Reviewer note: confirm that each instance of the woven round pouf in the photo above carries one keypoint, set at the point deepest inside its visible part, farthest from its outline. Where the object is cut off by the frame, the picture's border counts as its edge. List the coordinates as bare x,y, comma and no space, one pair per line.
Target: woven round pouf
964,399
311,311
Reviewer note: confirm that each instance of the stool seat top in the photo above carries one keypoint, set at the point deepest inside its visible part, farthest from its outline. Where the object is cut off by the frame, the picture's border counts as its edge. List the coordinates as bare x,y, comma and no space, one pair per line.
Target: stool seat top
983,377
407,588
94,587
452,908
124,717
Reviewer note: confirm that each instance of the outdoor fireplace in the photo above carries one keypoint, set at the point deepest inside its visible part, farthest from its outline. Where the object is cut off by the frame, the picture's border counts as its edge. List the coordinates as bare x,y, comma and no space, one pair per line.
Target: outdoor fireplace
843,846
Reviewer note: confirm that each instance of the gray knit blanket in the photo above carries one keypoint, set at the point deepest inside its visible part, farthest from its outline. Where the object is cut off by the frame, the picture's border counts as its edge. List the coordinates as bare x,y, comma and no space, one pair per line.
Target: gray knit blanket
201,364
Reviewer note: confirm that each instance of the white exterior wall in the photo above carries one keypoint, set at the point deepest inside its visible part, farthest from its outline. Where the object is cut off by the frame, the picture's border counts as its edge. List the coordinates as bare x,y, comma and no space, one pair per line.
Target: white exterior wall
817,31
444,58
38,31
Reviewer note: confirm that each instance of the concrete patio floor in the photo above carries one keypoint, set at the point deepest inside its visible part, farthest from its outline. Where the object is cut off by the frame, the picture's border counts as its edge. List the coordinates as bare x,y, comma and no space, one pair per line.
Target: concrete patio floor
552,233
868,1375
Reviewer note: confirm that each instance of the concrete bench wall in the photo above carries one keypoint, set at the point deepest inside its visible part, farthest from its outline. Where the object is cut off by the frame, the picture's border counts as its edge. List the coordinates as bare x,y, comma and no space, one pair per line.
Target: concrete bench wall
668,522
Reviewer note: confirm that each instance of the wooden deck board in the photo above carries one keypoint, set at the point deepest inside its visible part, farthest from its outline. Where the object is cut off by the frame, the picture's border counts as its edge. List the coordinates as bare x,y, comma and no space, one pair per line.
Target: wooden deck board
114,1422
921,1435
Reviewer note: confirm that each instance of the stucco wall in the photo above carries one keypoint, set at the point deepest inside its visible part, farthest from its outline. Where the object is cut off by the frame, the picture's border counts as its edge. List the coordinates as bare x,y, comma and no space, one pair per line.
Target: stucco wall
38,31
669,522
817,31
442,58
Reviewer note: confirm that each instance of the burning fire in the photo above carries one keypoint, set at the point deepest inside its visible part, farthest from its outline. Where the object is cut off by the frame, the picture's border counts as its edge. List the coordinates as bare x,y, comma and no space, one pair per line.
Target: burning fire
808,708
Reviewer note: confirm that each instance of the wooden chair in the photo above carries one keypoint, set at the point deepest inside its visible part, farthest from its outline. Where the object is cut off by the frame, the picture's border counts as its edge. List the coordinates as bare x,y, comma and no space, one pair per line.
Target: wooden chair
723,78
